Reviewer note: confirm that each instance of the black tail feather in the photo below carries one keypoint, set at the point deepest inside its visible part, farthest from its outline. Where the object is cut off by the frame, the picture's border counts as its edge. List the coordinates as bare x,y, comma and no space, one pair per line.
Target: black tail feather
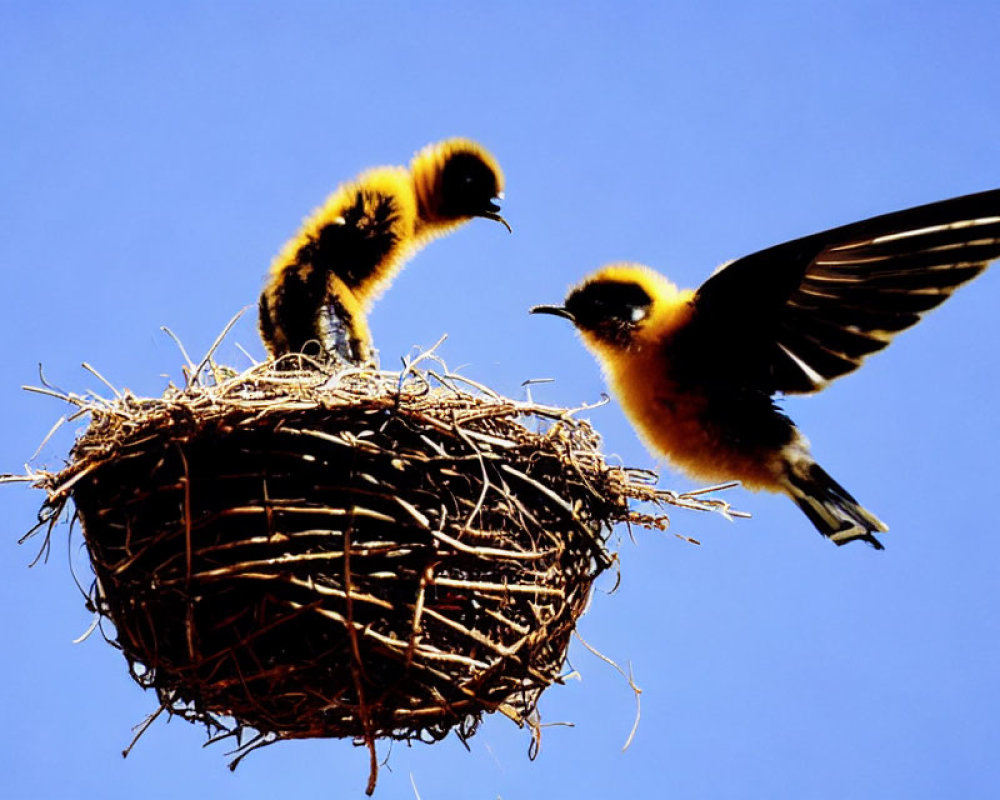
830,507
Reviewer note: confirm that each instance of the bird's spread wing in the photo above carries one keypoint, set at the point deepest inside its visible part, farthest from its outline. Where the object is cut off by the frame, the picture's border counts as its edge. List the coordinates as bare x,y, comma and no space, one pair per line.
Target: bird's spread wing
795,316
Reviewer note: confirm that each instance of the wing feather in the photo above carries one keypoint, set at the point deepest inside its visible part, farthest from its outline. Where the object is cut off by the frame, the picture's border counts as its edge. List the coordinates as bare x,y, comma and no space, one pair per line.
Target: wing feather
800,314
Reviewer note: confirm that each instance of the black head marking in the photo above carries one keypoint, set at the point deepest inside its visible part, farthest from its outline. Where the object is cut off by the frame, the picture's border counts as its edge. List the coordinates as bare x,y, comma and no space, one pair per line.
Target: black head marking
468,186
612,310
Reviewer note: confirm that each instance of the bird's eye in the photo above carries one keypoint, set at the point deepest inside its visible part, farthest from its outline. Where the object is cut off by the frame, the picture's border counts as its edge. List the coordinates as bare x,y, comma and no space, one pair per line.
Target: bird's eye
638,313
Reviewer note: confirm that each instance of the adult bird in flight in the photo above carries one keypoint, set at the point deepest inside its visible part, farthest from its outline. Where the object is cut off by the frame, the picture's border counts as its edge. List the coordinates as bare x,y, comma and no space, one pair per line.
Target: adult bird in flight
697,371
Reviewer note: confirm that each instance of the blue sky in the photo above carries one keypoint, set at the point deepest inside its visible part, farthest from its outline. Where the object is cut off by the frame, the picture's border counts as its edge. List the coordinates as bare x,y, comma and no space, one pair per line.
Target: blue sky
155,159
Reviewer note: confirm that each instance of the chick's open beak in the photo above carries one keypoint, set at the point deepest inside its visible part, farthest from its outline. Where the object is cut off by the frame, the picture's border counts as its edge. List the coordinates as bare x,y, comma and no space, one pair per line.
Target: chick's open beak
494,215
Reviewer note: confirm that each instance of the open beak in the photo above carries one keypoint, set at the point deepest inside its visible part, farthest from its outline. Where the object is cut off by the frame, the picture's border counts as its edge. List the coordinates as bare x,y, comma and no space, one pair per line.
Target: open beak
494,216
555,311
493,212
497,218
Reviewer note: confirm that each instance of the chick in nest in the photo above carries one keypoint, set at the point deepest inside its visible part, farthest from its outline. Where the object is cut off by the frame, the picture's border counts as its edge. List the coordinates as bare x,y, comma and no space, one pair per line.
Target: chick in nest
323,282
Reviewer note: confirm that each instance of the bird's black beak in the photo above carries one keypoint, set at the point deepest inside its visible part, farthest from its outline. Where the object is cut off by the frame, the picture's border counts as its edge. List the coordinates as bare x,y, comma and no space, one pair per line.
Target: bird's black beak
497,218
492,212
555,311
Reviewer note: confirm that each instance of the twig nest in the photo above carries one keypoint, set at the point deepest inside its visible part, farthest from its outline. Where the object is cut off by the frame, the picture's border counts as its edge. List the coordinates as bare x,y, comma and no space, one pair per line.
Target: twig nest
364,554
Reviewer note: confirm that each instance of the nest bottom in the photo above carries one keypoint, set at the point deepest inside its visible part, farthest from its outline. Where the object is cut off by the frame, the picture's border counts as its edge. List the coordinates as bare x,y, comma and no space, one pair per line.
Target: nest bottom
308,587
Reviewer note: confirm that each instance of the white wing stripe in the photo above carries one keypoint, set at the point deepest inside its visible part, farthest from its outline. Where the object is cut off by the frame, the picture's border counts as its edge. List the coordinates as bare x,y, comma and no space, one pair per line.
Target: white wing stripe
808,371
891,237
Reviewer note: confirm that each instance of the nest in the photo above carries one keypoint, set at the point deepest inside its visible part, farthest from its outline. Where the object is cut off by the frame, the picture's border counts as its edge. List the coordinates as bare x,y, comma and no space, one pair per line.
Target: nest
364,554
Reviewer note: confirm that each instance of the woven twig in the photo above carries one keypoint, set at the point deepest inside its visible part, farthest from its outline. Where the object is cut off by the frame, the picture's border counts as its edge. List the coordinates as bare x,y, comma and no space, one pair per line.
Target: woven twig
362,554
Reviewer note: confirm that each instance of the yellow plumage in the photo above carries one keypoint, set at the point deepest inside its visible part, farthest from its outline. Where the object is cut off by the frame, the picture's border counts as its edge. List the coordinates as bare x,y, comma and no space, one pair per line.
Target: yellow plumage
324,280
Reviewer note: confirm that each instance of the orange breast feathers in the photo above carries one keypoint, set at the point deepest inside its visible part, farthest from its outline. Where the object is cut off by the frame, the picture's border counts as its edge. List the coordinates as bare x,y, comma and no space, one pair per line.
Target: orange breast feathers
670,417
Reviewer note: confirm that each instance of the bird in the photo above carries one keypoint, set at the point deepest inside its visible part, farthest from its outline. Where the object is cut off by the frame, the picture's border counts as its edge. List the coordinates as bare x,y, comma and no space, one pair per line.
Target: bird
324,280
698,372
